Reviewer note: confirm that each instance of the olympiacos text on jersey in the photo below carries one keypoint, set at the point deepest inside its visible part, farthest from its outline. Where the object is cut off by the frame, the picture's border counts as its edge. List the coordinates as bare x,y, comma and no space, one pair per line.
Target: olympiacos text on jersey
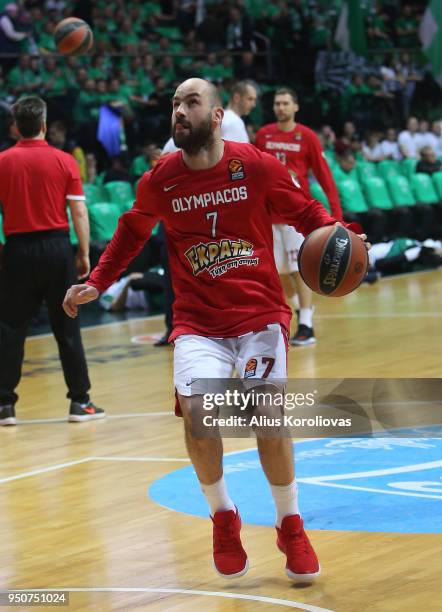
219,233
300,151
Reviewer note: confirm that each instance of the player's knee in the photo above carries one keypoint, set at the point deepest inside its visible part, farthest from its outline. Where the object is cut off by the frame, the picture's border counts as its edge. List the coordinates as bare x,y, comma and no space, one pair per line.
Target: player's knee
192,410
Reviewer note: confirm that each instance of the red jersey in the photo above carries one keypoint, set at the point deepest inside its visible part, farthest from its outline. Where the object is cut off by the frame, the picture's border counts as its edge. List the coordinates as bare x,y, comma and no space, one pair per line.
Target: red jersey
35,181
218,223
300,151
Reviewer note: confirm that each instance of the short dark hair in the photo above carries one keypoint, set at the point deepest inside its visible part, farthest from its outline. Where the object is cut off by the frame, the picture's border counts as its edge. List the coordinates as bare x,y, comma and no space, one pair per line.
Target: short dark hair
214,95
240,87
29,115
282,91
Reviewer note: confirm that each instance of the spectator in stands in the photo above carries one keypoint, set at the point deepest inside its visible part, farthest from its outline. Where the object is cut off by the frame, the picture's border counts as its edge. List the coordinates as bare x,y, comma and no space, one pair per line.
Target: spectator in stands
11,34
91,169
372,149
406,28
18,77
57,137
46,42
247,69
408,139
410,75
327,137
143,163
428,162
357,87
377,31
55,89
209,31
435,138
8,128
424,135
238,31
119,170
390,147
349,140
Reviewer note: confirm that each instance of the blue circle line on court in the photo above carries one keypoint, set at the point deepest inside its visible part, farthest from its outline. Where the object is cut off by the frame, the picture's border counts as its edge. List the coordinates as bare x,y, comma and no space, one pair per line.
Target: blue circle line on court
345,484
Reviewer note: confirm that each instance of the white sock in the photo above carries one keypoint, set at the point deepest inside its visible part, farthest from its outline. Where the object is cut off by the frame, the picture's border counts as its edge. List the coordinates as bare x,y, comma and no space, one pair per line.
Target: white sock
295,302
306,317
217,496
286,500
412,253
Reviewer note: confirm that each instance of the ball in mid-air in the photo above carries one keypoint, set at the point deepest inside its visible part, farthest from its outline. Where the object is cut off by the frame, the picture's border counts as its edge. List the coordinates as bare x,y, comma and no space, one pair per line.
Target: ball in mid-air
73,36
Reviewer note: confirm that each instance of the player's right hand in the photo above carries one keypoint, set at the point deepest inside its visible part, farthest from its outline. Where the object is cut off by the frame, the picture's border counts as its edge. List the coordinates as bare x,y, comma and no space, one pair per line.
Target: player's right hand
78,294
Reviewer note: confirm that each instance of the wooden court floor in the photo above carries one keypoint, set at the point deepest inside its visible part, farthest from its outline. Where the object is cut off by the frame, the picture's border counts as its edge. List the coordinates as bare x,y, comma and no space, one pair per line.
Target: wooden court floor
74,510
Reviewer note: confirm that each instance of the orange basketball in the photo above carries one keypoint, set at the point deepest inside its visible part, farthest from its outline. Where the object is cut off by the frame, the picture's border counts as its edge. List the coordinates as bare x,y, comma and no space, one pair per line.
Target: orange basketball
333,261
73,36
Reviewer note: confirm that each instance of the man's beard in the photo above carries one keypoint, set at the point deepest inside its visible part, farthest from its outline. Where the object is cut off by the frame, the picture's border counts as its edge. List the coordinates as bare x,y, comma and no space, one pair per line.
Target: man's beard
196,138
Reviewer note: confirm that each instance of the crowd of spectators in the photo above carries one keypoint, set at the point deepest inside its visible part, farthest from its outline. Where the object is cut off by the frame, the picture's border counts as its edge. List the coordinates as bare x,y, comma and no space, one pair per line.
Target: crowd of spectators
142,50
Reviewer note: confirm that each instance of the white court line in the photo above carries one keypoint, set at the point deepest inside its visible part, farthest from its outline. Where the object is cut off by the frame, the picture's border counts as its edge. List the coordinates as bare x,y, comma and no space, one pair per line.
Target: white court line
159,459
417,467
108,416
61,466
372,490
51,468
260,598
85,328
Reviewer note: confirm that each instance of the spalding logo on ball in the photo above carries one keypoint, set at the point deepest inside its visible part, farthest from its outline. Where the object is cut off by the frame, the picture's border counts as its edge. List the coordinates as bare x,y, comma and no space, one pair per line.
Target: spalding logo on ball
333,261
73,36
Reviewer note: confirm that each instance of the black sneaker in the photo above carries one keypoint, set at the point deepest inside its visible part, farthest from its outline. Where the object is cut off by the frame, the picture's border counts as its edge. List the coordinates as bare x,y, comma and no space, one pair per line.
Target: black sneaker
85,412
164,340
304,336
7,415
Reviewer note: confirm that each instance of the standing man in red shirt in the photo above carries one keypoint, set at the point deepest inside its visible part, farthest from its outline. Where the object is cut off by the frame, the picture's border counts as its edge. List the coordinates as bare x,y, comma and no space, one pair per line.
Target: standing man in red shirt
216,199
298,148
36,180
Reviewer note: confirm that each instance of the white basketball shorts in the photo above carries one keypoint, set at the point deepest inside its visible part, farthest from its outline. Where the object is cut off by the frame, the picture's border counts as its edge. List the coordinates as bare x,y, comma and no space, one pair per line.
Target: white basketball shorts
254,356
286,244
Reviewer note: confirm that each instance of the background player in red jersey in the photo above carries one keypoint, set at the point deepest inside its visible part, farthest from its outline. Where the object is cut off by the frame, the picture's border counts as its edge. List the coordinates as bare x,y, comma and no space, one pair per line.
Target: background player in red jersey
216,199
299,149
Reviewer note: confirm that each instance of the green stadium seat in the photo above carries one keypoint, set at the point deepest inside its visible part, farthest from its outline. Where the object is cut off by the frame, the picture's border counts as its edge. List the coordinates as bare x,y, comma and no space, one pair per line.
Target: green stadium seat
437,182
2,236
126,205
93,193
388,167
103,218
408,167
423,188
376,193
119,192
400,190
352,198
365,170
72,235
319,194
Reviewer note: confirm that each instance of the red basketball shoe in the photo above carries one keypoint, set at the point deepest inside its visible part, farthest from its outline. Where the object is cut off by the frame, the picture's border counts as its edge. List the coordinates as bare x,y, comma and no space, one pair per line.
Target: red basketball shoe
302,562
229,557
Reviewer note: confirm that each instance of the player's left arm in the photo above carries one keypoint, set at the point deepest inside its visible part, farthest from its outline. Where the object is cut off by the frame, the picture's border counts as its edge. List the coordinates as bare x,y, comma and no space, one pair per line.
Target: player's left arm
291,203
323,175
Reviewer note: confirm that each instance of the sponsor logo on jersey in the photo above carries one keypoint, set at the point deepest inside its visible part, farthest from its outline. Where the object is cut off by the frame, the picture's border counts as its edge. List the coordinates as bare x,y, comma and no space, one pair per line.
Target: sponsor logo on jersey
283,146
219,257
236,170
250,368
202,200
